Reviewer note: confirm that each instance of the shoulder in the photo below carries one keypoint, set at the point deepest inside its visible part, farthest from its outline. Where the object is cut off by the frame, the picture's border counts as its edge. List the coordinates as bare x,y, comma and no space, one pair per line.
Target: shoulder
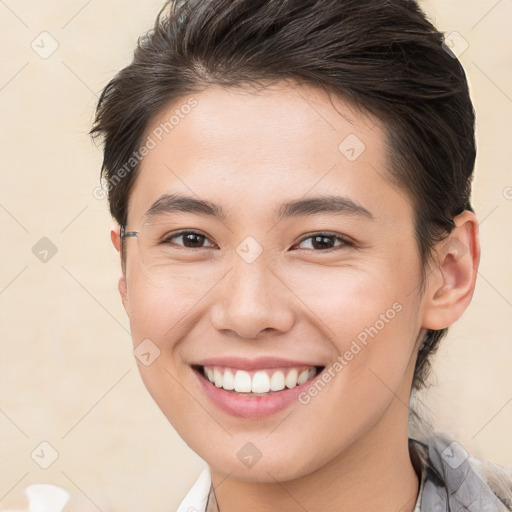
457,481
497,477
197,497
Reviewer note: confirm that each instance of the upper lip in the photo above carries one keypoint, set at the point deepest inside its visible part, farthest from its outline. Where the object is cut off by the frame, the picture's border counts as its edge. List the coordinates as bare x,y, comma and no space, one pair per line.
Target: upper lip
258,363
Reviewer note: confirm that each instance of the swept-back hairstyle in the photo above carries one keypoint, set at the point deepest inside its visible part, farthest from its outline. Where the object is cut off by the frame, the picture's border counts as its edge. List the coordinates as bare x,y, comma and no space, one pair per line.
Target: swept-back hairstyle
384,56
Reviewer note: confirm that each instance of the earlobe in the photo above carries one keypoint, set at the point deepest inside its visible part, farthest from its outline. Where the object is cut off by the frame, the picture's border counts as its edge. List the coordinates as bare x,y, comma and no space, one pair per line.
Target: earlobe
452,282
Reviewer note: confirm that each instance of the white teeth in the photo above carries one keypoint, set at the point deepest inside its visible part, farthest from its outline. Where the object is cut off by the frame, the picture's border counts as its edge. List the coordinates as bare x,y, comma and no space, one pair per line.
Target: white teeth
277,381
229,380
303,377
291,378
217,378
261,381
242,382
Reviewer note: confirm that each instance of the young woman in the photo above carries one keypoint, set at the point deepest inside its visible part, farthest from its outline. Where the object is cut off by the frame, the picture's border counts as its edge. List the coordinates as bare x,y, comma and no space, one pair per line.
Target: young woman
291,183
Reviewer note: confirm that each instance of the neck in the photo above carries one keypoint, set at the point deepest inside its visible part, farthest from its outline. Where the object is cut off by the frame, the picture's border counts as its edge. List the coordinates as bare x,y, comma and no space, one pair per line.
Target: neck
374,472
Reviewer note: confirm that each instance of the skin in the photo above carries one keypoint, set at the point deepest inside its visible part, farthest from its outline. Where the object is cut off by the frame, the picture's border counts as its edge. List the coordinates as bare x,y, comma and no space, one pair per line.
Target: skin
347,448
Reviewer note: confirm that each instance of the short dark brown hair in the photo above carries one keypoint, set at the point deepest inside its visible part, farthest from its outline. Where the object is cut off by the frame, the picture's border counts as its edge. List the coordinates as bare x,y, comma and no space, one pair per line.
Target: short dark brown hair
384,56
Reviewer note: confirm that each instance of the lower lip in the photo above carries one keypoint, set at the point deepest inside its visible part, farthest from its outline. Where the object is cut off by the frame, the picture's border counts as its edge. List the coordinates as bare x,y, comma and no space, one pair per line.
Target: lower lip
252,407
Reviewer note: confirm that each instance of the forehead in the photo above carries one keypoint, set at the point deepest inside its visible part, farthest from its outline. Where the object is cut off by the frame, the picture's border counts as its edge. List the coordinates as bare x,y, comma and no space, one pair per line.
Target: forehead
256,149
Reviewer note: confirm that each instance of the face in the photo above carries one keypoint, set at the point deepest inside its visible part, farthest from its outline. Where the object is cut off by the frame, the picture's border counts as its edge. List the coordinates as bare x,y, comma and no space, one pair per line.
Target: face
275,279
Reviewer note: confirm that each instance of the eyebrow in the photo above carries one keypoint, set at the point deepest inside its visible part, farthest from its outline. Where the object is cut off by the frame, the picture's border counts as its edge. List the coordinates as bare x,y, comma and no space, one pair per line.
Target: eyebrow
171,203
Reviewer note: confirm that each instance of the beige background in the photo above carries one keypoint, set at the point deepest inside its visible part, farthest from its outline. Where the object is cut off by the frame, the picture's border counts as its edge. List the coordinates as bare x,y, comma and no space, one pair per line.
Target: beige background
68,374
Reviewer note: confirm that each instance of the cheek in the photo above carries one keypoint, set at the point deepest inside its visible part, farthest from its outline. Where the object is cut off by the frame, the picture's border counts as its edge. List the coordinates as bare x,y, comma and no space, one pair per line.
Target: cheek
344,301
371,319
161,315
160,309
372,324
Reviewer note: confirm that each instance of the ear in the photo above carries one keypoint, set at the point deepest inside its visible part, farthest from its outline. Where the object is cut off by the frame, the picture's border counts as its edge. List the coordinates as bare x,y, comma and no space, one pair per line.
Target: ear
115,236
451,283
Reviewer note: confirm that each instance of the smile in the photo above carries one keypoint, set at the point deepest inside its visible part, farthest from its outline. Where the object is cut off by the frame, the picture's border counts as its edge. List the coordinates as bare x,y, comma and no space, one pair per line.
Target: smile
258,383
253,394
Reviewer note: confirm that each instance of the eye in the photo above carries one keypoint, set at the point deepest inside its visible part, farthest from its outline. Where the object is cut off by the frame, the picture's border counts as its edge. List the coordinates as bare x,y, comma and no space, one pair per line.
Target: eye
191,239
325,241
318,241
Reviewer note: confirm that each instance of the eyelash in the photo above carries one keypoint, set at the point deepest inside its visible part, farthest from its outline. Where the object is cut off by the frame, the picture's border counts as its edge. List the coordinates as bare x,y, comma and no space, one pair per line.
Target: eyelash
344,242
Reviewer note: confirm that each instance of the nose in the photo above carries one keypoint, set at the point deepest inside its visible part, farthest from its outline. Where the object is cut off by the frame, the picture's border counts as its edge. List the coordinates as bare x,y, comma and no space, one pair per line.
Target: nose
253,300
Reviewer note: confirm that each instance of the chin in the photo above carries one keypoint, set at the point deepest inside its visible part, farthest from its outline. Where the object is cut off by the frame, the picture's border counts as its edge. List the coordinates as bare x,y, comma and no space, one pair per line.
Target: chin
281,465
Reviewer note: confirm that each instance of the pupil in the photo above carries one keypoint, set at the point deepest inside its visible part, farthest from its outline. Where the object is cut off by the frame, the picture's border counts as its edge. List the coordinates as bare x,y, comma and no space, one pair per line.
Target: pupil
322,244
198,239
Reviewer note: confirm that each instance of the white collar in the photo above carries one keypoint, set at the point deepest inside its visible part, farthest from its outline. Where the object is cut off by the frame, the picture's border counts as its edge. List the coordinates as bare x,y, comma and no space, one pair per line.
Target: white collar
197,496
